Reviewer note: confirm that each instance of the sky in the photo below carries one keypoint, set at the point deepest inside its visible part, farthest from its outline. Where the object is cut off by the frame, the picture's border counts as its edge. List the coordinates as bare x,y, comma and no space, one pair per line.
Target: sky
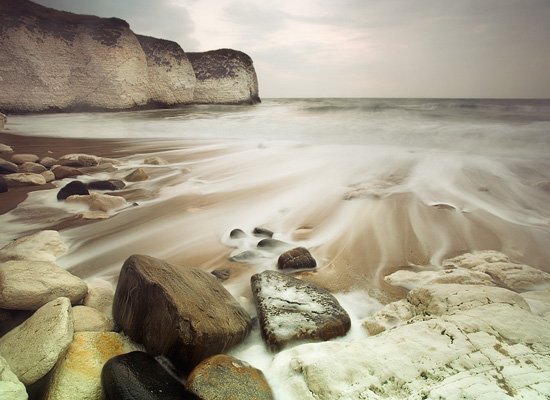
360,48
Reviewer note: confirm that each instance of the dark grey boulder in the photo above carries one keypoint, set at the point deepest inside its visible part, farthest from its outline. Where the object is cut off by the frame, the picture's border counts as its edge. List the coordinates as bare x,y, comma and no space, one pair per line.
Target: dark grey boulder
290,309
72,188
138,376
258,231
3,185
182,313
298,258
112,184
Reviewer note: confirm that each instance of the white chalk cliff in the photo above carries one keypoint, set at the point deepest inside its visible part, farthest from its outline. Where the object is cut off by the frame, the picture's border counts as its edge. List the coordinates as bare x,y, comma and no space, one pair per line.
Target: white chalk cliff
52,60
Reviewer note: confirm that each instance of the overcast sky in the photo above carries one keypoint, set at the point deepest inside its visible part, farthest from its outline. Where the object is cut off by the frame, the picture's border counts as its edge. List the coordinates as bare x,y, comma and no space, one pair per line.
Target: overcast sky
360,48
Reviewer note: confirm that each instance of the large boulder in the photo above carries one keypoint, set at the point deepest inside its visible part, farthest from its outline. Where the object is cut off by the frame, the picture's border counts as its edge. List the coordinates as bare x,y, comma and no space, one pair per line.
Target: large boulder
11,388
137,375
290,309
100,296
77,375
224,76
488,347
44,245
223,377
32,348
28,285
200,318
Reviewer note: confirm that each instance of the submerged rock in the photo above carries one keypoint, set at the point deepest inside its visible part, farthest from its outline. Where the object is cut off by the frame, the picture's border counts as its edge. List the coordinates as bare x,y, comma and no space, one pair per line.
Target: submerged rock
45,245
137,375
199,317
10,387
222,274
71,189
137,175
24,179
32,348
28,285
237,234
77,375
290,309
111,184
222,377
298,258
154,160
258,231
99,201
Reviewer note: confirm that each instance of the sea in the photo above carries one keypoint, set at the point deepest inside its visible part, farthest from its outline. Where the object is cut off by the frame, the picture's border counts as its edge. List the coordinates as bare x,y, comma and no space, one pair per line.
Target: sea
370,186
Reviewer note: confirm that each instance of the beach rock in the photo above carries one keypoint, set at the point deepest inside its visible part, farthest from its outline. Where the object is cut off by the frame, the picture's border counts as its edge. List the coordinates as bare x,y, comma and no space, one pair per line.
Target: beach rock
200,318
298,258
7,167
10,387
137,375
412,279
470,260
223,377
237,234
4,148
222,274
390,316
3,185
518,277
28,285
224,76
62,171
45,245
23,158
262,232
72,188
100,296
24,179
290,309
79,160
77,375
269,243
33,167
155,161
49,176
249,256
137,175
482,350
99,201
32,348
88,319
48,162
111,184
539,302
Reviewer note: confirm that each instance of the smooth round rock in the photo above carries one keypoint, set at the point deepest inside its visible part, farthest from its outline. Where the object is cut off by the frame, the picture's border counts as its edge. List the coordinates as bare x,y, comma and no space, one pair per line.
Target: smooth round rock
72,188
88,319
137,175
237,233
138,376
63,171
45,245
23,158
48,175
48,162
33,167
79,160
298,258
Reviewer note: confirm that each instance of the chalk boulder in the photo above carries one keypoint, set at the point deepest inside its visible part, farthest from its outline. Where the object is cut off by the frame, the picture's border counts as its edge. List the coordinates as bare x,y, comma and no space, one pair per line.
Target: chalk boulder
10,387
45,245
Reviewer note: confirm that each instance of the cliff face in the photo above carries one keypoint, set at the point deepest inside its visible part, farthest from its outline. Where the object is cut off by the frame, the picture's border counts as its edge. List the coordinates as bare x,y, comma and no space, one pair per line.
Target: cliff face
224,76
57,61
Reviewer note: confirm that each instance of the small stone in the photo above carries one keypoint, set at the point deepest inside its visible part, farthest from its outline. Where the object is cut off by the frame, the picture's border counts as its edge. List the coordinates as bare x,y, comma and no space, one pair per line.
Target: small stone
77,375
7,167
91,320
262,232
32,348
79,160
28,285
23,158
11,388
4,148
99,201
228,378
48,162
155,161
33,167
3,185
112,184
137,175
290,309
298,258
138,376
249,256
24,179
72,188
222,274
45,245
62,172
237,234
48,175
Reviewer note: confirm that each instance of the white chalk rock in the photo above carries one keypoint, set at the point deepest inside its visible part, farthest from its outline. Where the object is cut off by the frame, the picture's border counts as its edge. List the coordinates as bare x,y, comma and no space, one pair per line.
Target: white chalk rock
99,201
411,279
28,285
78,373
389,316
88,319
470,260
41,246
539,301
24,179
100,296
32,348
514,276
10,387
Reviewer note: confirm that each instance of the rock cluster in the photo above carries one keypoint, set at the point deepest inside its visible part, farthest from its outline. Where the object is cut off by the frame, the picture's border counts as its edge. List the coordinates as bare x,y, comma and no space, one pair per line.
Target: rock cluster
53,60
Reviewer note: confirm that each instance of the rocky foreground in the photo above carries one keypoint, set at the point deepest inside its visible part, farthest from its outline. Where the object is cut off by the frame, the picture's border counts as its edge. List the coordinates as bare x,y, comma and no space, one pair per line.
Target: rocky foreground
59,61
